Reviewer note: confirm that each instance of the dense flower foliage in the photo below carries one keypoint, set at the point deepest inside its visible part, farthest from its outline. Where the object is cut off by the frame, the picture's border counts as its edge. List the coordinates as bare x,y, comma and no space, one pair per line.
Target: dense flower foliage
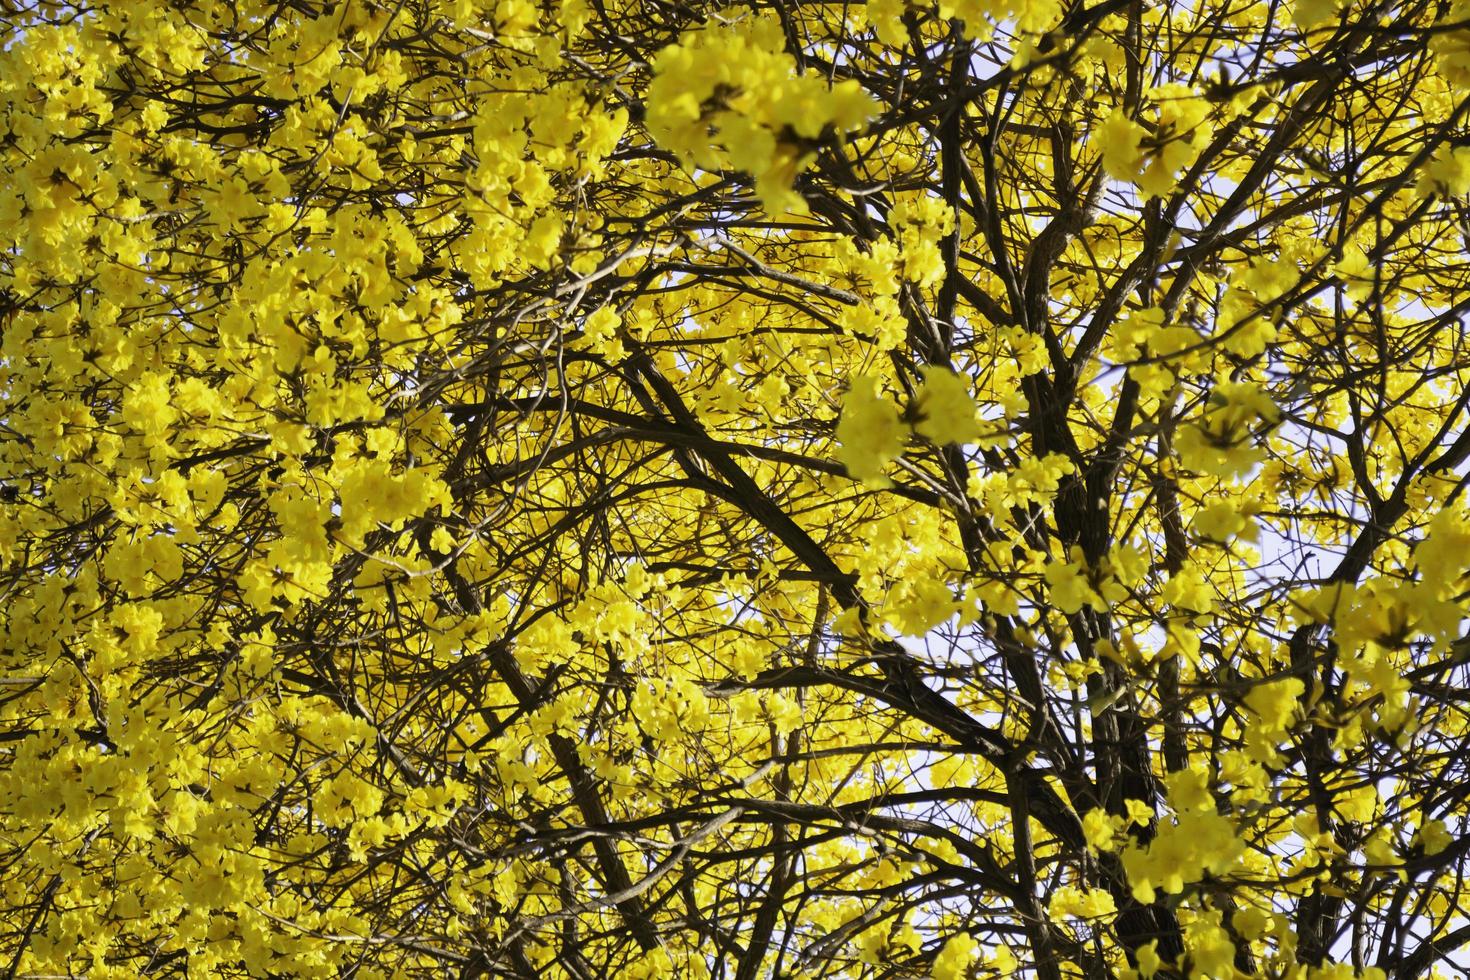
682,488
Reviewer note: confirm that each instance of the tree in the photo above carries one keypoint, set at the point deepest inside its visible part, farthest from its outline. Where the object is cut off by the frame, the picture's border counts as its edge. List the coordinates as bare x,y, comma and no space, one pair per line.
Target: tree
644,488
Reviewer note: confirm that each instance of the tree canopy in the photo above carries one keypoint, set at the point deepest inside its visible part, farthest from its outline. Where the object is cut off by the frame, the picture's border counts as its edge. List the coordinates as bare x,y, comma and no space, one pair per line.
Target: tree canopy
680,488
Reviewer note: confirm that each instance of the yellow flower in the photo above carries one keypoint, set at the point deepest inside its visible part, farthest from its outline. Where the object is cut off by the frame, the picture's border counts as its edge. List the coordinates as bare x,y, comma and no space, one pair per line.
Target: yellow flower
870,434
953,960
1275,703
1120,139
1082,903
1099,829
947,413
